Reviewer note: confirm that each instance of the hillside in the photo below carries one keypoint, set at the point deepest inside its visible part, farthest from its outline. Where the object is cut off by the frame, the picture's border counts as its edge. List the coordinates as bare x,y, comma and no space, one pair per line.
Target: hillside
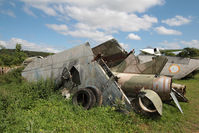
29,53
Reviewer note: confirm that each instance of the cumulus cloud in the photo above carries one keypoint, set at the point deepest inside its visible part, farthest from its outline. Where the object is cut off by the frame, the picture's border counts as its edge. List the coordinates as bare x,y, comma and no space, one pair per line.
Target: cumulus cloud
192,43
123,45
107,19
83,31
62,29
177,21
134,36
27,45
127,5
164,31
88,16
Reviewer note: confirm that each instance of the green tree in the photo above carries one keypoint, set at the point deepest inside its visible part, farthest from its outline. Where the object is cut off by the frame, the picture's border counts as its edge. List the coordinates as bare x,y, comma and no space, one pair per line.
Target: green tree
1,62
7,60
168,53
189,52
2,47
14,58
20,56
18,47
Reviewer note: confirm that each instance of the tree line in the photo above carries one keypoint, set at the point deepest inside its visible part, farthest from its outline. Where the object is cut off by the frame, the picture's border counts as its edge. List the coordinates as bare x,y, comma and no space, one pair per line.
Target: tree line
186,52
13,57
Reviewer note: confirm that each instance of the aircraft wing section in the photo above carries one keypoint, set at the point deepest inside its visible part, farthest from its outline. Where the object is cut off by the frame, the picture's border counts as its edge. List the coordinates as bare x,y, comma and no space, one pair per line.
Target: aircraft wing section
111,51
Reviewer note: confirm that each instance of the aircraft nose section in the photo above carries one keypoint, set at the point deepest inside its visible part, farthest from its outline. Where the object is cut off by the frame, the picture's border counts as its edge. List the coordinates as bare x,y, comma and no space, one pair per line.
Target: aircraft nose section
149,98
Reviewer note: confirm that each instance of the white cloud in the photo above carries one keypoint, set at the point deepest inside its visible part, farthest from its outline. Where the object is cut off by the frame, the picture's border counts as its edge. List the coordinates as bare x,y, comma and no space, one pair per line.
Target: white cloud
98,17
192,43
106,19
119,5
83,31
125,46
170,45
62,29
134,36
93,35
28,11
46,9
177,21
8,12
164,31
27,45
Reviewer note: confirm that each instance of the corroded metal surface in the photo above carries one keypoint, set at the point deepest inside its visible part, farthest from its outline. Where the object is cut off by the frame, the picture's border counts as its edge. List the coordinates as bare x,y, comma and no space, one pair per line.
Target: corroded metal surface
111,52
84,71
176,67
132,65
133,83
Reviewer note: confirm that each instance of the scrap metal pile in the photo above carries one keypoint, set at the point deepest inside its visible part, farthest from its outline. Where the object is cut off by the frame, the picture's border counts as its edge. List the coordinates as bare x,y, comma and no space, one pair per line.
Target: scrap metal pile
108,75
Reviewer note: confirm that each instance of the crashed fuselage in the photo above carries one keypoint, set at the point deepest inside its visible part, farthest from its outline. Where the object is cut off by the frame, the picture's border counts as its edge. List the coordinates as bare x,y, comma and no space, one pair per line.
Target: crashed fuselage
76,65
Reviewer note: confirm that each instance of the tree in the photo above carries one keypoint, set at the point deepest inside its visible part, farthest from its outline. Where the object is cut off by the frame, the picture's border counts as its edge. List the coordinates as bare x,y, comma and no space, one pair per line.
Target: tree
1,62
168,53
2,47
18,47
13,57
189,52
20,56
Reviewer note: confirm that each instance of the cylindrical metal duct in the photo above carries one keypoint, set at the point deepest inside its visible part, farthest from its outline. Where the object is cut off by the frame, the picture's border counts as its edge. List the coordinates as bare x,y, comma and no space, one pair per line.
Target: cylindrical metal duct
133,83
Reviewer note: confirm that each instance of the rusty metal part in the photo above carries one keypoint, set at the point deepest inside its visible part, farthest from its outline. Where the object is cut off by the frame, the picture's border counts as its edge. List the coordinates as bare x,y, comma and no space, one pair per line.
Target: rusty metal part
80,71
133,83
152,101
145,108
180,96
111,51
179,88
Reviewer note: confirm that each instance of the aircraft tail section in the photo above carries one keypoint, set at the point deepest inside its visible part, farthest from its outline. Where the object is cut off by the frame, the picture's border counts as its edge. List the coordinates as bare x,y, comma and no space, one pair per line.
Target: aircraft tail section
132,65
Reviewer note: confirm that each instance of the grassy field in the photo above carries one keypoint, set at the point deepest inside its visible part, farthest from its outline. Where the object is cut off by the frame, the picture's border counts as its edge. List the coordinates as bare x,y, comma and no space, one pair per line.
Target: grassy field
28,107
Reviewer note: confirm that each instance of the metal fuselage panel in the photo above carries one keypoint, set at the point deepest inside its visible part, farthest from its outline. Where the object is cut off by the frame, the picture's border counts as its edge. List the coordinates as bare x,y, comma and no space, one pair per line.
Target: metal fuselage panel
90,72
176,67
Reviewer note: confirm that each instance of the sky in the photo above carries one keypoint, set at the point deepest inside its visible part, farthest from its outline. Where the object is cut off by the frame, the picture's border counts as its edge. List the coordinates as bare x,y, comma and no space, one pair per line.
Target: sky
57,25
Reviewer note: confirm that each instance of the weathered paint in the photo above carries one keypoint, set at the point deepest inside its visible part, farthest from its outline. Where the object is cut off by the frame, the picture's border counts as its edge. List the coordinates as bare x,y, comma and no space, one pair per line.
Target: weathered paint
132,65
152,96
176,67
111,51
133,83
90,72
179,88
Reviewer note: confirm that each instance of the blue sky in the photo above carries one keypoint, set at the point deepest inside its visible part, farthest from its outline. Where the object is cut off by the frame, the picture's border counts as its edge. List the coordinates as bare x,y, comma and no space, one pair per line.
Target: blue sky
56,25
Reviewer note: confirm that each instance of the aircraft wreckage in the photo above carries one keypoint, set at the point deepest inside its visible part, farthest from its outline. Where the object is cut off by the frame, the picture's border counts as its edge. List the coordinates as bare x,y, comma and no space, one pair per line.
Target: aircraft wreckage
106,74
176,67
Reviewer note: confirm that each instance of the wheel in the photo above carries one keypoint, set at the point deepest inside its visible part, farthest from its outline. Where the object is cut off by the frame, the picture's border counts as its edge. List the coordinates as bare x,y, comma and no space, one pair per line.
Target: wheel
93,99
98,95
85,98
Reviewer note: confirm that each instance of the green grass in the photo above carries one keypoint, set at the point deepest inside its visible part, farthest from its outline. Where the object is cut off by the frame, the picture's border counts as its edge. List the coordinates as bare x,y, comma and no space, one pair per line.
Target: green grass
37,107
